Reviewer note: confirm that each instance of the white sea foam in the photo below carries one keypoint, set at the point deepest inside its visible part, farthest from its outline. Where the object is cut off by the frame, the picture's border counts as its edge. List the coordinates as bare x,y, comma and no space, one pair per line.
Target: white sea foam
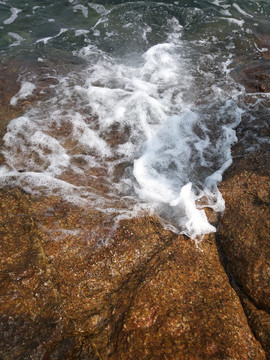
17,37
150,132
221,3
100,9
238,22
81,32
13,16
237,7
194,223
225,12
82,8
167,168
47,154
25,91
46,39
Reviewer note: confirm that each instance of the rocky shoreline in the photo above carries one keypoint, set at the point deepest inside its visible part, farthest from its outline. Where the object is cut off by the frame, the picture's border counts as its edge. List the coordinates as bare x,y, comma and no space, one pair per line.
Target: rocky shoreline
144,294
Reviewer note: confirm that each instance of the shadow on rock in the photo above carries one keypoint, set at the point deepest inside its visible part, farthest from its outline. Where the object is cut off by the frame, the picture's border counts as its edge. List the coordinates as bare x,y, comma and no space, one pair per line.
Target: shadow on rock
244,237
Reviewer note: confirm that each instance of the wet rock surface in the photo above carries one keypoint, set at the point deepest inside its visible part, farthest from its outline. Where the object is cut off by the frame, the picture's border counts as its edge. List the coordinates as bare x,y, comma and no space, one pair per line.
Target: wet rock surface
259,321
71,288
244,237
28,67
255,75
253,72
8,87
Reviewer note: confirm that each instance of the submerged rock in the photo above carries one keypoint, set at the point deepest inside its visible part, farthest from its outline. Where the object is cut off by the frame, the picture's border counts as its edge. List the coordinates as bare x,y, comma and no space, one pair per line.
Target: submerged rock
256,78
244,237
72,288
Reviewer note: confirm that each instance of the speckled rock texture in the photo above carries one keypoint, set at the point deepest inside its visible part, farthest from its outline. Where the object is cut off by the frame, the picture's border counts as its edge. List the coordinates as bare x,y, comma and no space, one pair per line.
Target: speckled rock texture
244,237
74,287
71,288
259,321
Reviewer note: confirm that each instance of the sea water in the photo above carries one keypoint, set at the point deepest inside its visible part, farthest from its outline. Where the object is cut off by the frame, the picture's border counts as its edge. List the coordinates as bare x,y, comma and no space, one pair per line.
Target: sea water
140,107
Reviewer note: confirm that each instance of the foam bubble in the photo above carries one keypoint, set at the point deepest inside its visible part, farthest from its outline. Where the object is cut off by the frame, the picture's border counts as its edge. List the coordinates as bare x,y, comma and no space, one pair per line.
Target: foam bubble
88,137
25,91
17,37
13,16
100,9
82,8
194,222
171,160
34,149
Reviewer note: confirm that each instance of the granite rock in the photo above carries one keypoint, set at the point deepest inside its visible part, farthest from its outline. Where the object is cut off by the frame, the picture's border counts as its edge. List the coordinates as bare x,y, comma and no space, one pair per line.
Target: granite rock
74,287
243,236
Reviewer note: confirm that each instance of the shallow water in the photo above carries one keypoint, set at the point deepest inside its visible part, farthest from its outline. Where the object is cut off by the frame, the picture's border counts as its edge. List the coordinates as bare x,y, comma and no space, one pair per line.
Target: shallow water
134,104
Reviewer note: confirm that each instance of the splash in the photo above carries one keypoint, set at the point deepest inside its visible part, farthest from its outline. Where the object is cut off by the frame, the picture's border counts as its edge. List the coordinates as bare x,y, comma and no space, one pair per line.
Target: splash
145,127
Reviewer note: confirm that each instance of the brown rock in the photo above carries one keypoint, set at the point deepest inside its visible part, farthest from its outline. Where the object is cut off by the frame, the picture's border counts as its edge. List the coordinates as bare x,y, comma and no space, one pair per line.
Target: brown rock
263,42
244,237
253,74
185,310
257,78
73,289
259,321
245,226
20,68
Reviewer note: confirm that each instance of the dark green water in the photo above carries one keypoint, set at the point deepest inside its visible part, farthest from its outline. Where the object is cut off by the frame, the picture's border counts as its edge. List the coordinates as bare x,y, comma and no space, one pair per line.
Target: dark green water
135,103
117,26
